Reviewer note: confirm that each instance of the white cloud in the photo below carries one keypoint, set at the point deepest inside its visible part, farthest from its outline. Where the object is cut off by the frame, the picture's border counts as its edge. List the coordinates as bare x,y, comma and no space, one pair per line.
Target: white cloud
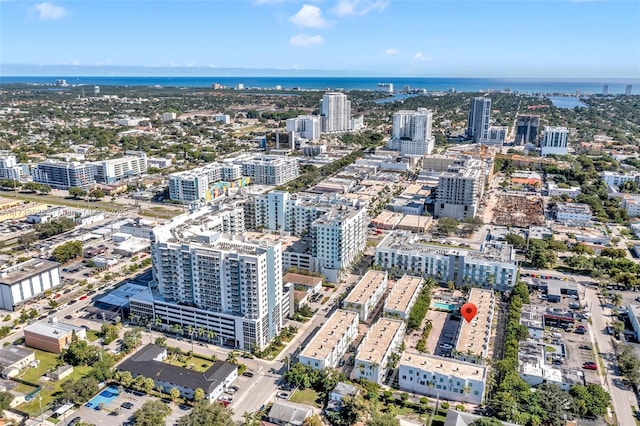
419,56
358,7
391,51
49,11
303,40
309,16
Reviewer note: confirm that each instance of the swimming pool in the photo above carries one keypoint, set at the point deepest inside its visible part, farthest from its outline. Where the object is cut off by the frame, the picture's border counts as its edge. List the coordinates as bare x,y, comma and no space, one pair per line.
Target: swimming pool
444,306
104,397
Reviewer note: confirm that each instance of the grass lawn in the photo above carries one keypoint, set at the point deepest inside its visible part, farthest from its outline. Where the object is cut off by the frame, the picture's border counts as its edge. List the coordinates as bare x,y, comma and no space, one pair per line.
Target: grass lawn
92,335
25,389
306,396
199,363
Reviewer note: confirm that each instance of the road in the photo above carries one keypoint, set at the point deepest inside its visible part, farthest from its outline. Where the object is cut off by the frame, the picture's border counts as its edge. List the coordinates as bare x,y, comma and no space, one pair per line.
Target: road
622,399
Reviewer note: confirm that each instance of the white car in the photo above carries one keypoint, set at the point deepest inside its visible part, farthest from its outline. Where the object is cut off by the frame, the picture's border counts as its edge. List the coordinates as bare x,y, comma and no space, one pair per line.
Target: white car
446,346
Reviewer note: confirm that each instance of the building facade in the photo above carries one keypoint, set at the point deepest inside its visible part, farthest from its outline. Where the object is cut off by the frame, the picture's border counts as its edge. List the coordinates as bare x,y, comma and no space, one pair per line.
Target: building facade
26,281
412,133
335,113
331,342
119,169
366,294
64,175
493,266
402,297
9,167
383,339
442,378
527,129
554,141
460,189
52,336
478,122
271,170
305,126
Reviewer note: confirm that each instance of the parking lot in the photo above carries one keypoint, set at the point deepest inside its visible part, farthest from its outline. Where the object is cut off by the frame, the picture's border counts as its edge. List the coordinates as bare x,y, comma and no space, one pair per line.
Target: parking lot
106,416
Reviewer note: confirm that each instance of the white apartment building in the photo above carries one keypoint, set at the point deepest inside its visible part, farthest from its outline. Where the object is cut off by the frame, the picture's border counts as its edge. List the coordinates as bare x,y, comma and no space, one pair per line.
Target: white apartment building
366,294
168,116
631,203
554,141
271,170
64,175
381,341
402,297
573,213
222,118
330,342
493,266
305,126
554,190
26,280
335,228
472,344
231,286
412,133
617,179
442,378
9,167
460,189
119,169
496,135
335,113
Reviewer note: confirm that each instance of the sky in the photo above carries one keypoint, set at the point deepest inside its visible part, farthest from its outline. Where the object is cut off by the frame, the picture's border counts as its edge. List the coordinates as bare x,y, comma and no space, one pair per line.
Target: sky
427,38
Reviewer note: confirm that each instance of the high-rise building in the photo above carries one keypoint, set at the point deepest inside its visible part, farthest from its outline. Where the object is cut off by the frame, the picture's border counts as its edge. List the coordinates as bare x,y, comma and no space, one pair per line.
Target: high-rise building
554,141
119,169
305,126
627,90
527,129
496,135
385,87
335,112
64,175
605,90
460,189
412,132
232,287
270,169
9,167
479,115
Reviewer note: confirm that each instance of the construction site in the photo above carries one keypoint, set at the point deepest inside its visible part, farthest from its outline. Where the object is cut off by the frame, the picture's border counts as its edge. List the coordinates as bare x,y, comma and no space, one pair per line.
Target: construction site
518,210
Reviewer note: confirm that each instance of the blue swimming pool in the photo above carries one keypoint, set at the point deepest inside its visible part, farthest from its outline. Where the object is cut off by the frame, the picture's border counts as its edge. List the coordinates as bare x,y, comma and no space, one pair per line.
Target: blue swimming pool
104,397
444,306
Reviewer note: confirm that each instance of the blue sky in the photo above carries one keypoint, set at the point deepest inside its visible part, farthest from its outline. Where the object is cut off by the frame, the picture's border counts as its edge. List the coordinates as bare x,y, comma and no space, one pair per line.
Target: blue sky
435,38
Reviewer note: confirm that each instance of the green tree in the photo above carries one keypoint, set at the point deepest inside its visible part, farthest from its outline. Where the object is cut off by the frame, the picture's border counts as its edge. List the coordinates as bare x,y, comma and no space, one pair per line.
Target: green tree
96,194
103,368
386,419
175,394
81,390
152,413
205,414
77,193
6,398
590,400
131,339
616,299
353,409
447,225
198,395
67,251
79,352
629,363
487,421
516,241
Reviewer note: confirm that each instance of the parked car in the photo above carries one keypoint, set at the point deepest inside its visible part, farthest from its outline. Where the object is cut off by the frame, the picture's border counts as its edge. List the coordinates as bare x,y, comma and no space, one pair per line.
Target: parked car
283,395
127,405
590,366
230,391
586,347
446,346
247,374
73,421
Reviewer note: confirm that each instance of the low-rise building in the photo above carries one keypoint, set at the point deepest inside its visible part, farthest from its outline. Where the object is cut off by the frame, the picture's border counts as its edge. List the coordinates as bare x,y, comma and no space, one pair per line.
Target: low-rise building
378,346
631,203
554,189
402,297
52,336
472,344
13,359
147,362
533,318
26,280
366,294
342,390
330,342
287,413
573,213
443,378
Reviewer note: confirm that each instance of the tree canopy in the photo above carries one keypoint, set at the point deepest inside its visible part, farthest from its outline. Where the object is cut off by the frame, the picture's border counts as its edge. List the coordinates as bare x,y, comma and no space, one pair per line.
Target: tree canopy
205,414
152,413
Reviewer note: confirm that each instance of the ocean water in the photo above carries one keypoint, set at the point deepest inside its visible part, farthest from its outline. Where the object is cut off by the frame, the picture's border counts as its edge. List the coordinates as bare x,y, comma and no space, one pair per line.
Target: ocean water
567,102
546,86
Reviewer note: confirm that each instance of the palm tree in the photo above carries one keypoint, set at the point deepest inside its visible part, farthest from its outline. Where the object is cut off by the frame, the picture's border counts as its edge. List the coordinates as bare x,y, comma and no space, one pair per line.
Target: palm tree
201,332
616,299
157,322
211,335
190,330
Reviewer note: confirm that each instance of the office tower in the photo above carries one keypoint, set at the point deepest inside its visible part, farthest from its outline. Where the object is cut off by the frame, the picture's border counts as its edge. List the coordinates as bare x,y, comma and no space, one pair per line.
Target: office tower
460,189
527,129
605,90
228,286
64,175
305,126
412,132
335,112
554,141
479,114
627,90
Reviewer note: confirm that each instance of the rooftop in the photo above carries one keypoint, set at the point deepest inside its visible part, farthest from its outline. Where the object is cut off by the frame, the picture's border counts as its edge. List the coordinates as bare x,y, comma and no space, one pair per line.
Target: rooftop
329,335
10,355
474,335
306,280
290,412
377,340
52,329
402,293
367,287
21,271
532,317
143,363
444,366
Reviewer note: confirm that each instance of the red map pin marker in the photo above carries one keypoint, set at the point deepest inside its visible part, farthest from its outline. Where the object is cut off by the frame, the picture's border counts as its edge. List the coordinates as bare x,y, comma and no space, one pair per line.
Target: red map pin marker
468,311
